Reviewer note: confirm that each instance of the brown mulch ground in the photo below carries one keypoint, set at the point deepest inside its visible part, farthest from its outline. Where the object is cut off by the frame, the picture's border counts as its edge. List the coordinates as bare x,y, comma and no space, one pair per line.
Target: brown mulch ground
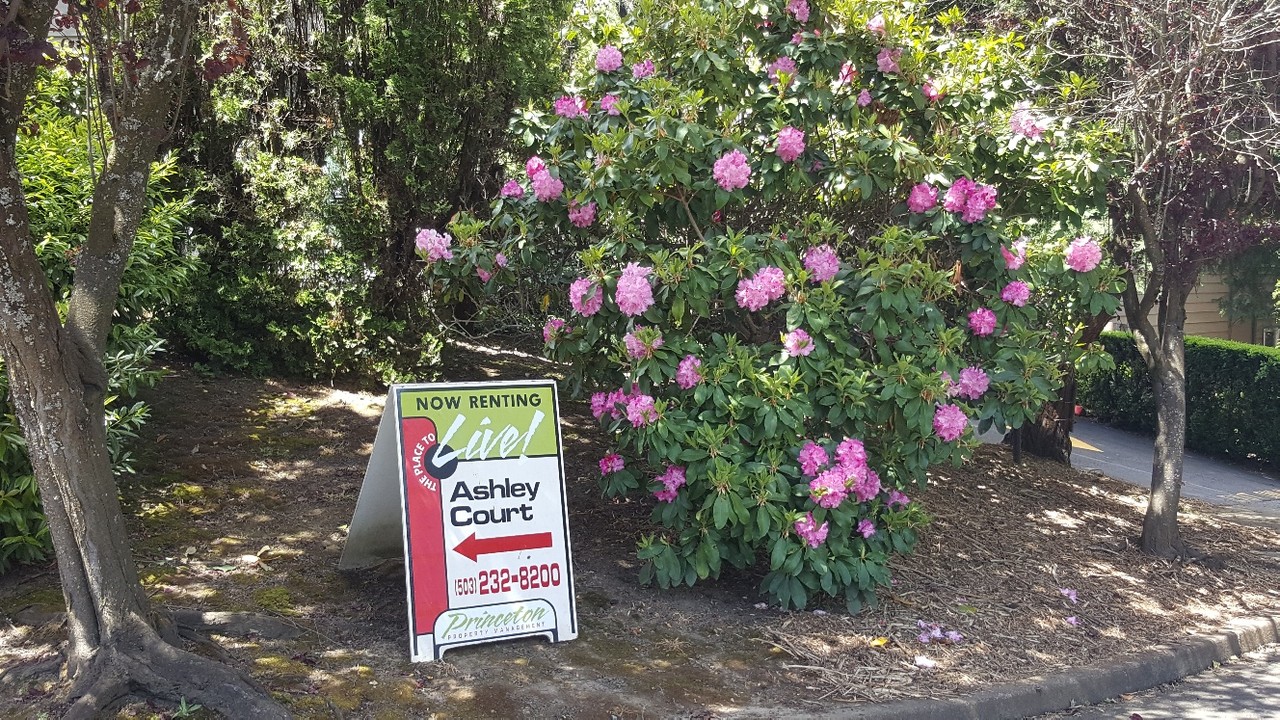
245,486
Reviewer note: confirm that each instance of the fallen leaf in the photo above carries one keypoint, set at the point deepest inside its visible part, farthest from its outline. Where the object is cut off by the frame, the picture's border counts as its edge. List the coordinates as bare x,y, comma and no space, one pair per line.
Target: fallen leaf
879,642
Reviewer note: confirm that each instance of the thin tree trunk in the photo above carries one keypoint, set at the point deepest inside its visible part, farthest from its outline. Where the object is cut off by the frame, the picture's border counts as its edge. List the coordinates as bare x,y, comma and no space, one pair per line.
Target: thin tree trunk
1169,381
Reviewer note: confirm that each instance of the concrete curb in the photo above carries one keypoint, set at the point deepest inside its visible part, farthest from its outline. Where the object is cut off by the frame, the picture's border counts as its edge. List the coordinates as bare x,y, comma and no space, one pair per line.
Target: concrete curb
1085,685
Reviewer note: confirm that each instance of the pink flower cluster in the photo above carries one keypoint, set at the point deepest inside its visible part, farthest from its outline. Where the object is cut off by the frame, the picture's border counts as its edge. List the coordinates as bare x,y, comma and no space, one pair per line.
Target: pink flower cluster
790,143
582,215
570,107
1083,254
512,189
810,531
608,59
949,422
812,458
483,274
672,480
611,463
848,74
822,263
783,65
866,528
554,328
973,383
609,104
982,322
546,187
642,70
634,405
931,91
1014,260
875,25
732,171
767,285
971,198
897,499
641,410
434,244
923,197
1016,293
887,60
797,343
688,373
850,474
642,341
1026,123
798,9
864,98
586,296
634,294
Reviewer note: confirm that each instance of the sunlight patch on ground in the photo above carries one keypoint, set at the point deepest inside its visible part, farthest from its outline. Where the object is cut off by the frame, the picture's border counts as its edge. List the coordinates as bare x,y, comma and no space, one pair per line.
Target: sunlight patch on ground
1079,444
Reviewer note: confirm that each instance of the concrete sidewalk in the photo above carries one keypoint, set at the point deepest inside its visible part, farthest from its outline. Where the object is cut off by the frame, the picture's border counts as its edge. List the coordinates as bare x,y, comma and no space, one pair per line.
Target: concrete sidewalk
1241,491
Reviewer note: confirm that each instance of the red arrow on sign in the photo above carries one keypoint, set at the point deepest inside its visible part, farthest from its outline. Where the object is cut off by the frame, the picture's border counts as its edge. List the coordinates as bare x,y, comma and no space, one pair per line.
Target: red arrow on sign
474,547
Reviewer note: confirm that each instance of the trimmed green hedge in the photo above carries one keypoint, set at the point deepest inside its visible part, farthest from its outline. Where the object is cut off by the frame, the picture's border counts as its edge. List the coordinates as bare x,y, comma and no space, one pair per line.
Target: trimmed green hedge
1233,396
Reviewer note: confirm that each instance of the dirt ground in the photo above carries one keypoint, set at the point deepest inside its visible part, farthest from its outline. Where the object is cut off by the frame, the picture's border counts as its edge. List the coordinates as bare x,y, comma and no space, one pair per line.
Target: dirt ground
244,488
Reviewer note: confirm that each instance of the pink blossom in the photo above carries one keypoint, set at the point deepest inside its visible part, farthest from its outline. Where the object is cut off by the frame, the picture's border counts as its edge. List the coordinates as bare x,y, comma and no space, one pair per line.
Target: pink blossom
609,104
822,263
970,198
547,187
1073,621
554,328
483,274
1013,260
1026,123
810,532
848,74
866,528
1083,254
798,9
780,66
500,260
797,343
851,453
512,189
672,480
602,403
797,38
766,286
570,107
875,25
982,322
641,342
887,60
973,383
866,483
828,489
642,69
864,98
1016,293
731,171
434,244
611,463
582,215
688,374
897,498
1069,594
949,422
923,197
534,166
608,59
931,91
586,296
954,637
641,410
634,294
812,457
790,143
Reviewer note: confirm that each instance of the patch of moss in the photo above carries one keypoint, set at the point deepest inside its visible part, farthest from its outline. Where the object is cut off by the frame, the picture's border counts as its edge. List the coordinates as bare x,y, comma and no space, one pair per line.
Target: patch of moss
276,599
279,668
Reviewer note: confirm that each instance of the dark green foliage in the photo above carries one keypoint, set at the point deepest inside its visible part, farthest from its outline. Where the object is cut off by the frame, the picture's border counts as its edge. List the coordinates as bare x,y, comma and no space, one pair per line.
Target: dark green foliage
1232,395
353,124
58,175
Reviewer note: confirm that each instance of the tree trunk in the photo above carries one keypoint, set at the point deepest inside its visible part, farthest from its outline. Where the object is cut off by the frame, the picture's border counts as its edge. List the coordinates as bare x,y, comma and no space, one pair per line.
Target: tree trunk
1160,526
58,385
1050,435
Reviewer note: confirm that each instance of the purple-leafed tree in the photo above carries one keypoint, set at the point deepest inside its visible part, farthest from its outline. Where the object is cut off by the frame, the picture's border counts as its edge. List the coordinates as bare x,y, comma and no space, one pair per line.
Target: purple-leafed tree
138,55
1193,88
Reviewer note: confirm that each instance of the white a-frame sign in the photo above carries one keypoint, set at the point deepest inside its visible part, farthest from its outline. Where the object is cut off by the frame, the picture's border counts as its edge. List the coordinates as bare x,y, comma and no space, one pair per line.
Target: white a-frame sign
479,513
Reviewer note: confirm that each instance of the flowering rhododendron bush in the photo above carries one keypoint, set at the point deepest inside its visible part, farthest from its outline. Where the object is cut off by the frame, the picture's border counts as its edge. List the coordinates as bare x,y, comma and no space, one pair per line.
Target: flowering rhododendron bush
798,271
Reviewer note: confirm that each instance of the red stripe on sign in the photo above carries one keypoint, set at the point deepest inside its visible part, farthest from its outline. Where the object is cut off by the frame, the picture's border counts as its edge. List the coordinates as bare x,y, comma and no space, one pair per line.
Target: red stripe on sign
426,526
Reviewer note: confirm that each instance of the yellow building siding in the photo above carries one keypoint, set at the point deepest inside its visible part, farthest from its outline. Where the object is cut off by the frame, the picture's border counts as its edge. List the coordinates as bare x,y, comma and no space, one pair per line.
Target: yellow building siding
1205,317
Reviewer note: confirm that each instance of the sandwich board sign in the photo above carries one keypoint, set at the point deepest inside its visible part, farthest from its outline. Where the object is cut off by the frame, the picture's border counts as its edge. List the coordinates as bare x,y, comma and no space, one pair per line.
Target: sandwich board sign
479,513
